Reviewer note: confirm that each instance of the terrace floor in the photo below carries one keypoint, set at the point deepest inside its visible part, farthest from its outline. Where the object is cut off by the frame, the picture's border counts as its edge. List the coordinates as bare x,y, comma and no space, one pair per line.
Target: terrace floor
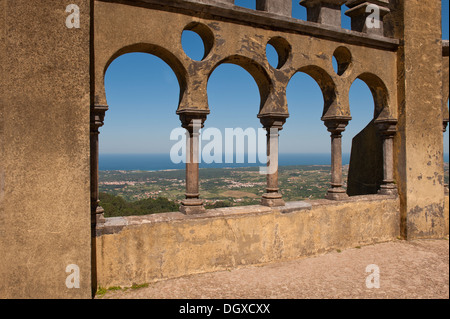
407,270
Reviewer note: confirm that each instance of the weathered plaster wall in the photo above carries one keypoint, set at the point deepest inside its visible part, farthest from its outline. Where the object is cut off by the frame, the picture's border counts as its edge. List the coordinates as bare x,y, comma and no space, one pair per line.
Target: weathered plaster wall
420,141
44,158
145,249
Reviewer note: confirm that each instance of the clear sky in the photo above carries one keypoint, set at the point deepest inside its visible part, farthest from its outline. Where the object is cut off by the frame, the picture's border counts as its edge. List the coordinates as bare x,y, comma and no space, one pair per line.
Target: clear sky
142,93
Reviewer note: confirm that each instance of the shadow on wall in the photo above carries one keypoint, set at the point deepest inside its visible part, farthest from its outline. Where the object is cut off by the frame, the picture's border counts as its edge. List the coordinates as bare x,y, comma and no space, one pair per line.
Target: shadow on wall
365,174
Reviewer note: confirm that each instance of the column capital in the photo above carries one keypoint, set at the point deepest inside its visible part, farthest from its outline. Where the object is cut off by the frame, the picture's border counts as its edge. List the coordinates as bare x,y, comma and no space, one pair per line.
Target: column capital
187,118
387,127
273,120
98,116
336,125
444,126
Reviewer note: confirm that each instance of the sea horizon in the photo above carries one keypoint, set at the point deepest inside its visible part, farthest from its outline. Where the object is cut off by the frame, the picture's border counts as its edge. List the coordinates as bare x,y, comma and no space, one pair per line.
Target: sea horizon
161,162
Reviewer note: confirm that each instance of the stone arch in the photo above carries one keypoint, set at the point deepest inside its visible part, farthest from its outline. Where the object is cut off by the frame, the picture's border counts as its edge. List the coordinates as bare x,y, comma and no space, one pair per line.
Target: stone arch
331,107
380,95
258,73
160,52
370,169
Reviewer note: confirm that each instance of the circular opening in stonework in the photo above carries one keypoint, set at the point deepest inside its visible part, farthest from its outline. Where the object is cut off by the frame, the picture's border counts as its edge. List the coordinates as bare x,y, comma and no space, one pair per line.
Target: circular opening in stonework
272,56
342,58
278,51
335,65
197,41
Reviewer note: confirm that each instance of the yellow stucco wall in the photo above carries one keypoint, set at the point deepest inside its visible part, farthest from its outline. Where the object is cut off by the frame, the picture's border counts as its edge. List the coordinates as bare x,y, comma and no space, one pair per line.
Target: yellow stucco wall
44,155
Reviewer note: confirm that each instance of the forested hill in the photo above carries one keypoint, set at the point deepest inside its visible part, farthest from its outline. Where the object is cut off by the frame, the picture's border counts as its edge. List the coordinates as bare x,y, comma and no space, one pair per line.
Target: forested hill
117,206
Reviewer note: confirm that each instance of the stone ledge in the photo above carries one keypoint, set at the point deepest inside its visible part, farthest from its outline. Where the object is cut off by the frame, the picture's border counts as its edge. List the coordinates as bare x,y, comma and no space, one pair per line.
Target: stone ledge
267,20
115,225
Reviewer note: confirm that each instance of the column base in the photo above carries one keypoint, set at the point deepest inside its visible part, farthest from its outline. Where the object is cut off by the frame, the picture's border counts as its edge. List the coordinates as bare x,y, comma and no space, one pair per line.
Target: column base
389,189
192,207
272,200
336,194
98,217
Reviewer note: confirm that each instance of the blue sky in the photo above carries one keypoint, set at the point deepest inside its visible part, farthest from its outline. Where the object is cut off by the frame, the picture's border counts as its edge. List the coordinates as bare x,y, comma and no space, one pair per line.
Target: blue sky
142,93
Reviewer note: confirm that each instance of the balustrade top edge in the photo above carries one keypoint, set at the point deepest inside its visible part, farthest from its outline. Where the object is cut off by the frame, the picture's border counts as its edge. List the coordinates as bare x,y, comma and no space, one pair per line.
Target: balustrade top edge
265,20
115,225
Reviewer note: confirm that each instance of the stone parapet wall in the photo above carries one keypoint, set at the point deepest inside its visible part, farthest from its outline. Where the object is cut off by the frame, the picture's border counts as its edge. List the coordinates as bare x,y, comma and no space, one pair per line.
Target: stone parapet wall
150,248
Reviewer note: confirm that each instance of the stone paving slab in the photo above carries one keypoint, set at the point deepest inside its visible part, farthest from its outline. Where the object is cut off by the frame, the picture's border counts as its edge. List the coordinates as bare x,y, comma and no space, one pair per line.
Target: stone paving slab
407,270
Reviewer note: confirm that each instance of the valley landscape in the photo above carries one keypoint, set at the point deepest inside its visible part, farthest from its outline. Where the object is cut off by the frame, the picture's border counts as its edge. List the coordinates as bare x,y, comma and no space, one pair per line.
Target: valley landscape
124,193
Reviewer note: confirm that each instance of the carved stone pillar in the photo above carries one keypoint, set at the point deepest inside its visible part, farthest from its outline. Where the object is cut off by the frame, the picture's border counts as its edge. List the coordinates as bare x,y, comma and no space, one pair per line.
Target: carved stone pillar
97,118
192,122
272,125
324,11
388,129
359,12
444,129
336,126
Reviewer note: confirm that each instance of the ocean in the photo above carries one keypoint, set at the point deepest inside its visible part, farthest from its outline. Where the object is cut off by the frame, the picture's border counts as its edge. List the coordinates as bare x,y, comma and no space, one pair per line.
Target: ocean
158,162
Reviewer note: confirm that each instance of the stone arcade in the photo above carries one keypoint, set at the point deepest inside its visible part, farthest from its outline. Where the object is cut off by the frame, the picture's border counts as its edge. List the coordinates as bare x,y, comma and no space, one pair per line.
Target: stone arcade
53,105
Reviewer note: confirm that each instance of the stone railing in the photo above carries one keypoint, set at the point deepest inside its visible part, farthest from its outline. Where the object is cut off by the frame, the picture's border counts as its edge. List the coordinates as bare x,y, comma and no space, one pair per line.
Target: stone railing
145,249
367,16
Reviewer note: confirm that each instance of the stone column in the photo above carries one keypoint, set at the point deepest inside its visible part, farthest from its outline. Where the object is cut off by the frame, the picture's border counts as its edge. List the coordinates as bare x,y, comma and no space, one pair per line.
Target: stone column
444,129
324,11
97,118
359,12
388,129
336,126
272,125
192,122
